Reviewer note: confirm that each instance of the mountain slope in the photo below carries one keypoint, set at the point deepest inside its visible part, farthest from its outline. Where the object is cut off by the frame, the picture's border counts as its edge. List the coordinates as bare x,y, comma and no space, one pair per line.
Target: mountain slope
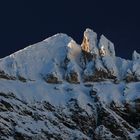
57,89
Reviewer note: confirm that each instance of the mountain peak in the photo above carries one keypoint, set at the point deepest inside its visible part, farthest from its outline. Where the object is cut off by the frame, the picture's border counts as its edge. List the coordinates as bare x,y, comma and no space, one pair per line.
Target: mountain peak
89,43
106,47
103,47
135,55
58,89
61,58
59,36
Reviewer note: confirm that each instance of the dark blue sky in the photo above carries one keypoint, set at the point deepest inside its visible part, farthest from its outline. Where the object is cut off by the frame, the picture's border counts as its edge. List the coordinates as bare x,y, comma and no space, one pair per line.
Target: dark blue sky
25,22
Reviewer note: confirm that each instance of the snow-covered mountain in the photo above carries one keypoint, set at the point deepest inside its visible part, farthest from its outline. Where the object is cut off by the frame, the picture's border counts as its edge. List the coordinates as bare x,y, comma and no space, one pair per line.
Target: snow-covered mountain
60,90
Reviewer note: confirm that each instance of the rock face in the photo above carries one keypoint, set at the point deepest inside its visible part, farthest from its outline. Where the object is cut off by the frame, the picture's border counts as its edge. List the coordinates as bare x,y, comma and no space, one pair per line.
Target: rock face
90,42
58,90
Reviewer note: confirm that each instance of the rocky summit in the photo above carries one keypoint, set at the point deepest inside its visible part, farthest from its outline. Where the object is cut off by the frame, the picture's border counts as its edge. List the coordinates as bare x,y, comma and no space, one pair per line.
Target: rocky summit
60,90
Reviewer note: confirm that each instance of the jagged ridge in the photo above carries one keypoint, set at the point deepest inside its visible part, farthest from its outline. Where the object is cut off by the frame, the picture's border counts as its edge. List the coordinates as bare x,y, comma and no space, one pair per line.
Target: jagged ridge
60,58
57,89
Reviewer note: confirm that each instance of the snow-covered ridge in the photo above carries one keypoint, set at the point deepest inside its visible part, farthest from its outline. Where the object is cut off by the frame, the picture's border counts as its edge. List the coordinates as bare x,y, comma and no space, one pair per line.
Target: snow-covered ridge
60,58
60,90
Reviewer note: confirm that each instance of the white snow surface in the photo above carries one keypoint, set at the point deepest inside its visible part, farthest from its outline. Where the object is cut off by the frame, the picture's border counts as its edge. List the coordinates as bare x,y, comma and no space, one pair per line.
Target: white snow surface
37,59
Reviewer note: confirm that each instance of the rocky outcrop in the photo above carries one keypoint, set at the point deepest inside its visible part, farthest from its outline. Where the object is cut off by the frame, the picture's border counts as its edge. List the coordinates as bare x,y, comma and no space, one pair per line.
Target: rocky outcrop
135,56
52,78
102,133
3,75
72,77
42,120
89,43
106,47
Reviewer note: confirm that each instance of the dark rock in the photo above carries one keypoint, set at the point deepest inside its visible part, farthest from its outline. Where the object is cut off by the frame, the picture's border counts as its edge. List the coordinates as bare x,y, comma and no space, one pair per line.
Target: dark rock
52,79
22,79
3,75
72,77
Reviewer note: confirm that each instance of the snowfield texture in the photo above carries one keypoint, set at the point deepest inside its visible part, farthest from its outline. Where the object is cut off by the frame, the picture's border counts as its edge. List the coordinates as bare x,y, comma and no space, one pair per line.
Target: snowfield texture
58,90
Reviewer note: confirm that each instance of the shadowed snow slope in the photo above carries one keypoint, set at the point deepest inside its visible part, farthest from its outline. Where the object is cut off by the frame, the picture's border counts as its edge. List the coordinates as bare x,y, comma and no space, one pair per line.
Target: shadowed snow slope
57,90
